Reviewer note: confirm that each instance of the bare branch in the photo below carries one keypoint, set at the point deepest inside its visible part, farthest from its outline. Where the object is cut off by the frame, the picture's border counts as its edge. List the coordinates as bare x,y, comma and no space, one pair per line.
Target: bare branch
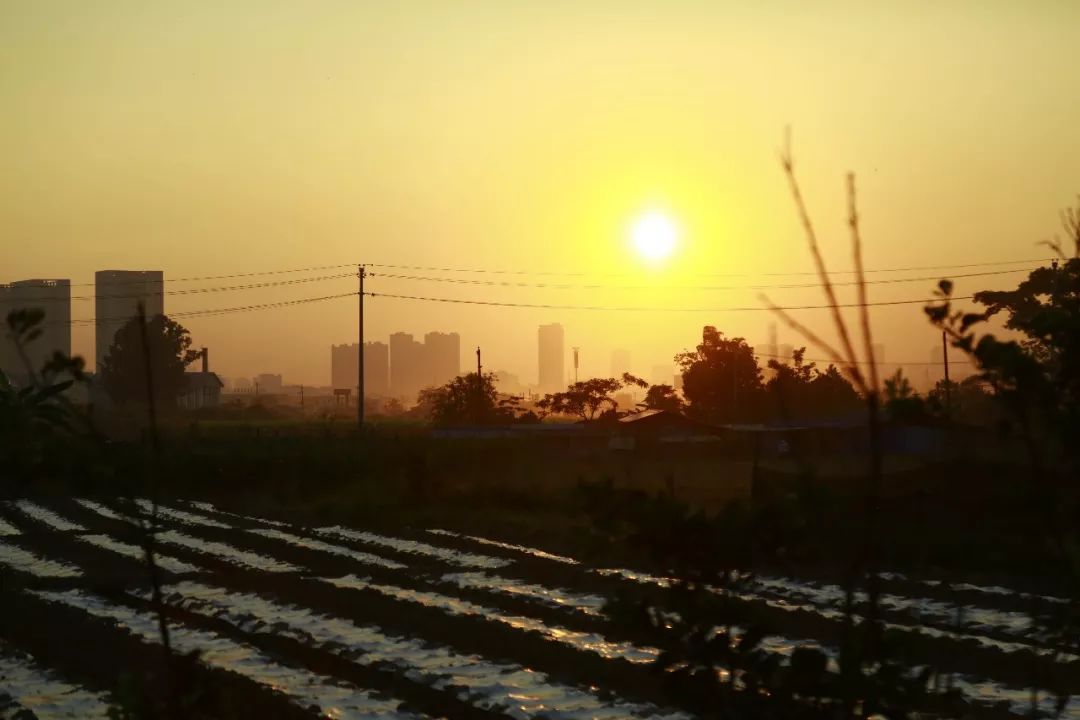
814,338
860,279
819,263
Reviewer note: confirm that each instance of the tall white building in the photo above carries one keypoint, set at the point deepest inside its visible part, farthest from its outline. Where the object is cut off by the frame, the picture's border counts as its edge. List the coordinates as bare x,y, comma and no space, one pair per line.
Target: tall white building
117,297
552,356
53,297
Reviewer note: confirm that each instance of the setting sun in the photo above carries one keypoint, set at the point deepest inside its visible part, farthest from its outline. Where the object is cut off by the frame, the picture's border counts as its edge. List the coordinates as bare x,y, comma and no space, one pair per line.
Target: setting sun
654,236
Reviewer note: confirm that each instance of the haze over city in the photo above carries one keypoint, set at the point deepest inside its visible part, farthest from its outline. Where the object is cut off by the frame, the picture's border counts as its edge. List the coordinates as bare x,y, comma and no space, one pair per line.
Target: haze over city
514,359
204,141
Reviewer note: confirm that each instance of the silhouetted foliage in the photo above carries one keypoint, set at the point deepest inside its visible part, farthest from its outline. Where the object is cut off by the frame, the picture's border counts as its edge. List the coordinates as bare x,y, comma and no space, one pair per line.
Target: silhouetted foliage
465,400
585,399
721,378
902,403
123,372
1036,382
31,414
662,397
799,391
969,401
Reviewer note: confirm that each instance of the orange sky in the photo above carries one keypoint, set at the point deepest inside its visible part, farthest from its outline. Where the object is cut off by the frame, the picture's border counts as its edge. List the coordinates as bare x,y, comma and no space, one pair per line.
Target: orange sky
212,138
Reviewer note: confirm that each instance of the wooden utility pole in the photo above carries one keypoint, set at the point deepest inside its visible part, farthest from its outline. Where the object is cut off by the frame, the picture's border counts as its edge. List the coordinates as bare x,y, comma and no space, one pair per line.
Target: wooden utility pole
479,368
361,273
945,362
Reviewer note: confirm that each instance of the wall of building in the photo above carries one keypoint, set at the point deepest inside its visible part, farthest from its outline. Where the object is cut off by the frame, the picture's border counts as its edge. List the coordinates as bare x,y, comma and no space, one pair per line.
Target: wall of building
117,297
54,298
552,358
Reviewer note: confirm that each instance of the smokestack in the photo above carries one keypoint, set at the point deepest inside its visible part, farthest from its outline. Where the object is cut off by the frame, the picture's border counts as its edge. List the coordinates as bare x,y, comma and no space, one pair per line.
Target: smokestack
205,360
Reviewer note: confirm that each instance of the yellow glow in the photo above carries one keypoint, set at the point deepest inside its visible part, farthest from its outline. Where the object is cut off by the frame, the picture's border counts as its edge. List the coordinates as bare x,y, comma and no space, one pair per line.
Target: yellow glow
654,236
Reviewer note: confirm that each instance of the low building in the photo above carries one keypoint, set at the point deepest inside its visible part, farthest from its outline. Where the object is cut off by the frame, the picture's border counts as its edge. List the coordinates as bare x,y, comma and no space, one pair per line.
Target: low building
201,389
651,426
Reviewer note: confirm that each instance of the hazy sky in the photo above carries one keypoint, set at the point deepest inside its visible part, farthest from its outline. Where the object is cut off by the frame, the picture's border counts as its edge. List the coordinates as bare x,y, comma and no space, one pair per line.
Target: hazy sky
207,138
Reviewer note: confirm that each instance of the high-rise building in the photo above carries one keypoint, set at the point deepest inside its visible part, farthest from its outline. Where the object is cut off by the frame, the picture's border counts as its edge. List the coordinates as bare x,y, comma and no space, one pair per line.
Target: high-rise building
620,362
343,368
443,357
551,357
663,375
785,352
408,366
118,294
376,369
53,297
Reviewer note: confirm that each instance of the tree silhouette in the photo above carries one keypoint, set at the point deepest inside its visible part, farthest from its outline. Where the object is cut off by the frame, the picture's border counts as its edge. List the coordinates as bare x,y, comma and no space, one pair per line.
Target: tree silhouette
663,397
721,378
123,372
467,399
583,399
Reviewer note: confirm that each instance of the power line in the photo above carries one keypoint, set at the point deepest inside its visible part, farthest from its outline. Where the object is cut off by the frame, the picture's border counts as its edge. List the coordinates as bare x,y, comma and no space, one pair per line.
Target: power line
750,308
214,277
575,286
217,311
492,271
194,291
857,362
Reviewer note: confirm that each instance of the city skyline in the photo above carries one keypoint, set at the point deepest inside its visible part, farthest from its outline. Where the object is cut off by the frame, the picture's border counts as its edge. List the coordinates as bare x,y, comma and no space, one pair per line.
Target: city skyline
118,292
387,135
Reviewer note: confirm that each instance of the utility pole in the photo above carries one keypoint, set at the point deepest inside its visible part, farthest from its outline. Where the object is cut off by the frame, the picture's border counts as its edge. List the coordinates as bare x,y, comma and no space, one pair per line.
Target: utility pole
945,362
361,273
479,385
734,386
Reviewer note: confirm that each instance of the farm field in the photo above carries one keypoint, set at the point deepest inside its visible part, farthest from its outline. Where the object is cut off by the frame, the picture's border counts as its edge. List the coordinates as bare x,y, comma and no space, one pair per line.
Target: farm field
349,622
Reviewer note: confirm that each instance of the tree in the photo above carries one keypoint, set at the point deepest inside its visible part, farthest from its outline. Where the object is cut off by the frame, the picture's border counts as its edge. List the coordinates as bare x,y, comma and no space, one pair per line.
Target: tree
833,395
901,401
800,391
789,387
663,397
32,413
124,370
721,378
1036,384
467,399
968,401
583,399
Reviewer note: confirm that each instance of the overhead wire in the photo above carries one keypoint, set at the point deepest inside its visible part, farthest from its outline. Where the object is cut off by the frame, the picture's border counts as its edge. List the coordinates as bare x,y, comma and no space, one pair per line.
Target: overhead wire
196,291
217,311
316,268
576,286
631,308
560,273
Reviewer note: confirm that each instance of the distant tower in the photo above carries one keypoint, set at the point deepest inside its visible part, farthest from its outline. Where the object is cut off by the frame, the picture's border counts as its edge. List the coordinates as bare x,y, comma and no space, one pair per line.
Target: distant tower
54,298
576,349
118,294
551,352
620,362
443,357
408,361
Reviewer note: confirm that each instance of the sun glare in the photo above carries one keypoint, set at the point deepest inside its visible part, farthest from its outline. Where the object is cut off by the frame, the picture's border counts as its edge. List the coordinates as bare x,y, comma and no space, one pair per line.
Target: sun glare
654,236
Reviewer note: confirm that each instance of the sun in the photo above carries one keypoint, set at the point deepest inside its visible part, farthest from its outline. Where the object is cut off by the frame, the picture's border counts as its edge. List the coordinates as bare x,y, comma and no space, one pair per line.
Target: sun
654,235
